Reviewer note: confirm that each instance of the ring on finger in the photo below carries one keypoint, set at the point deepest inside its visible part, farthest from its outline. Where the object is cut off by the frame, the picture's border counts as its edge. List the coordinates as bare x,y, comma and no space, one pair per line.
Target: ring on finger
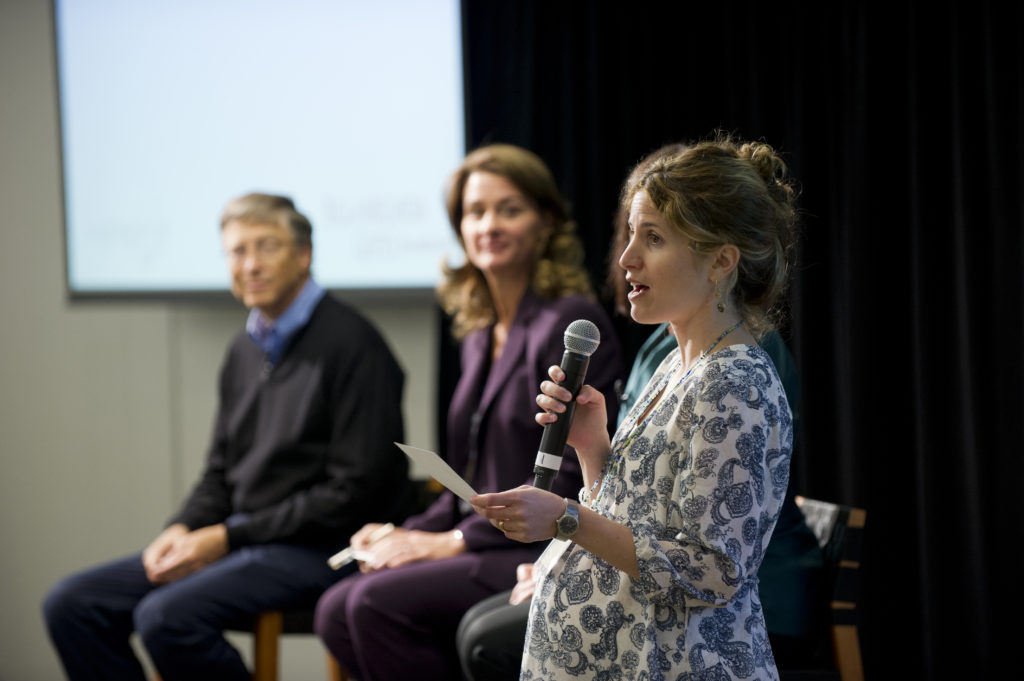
501,525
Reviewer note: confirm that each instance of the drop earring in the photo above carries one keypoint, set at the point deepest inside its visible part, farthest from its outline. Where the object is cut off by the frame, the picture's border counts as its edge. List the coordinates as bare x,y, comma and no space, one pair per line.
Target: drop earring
718,291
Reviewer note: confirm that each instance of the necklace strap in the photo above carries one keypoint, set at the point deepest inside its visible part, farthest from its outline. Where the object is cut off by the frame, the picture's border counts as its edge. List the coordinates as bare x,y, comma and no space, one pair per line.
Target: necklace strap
611,464
714,345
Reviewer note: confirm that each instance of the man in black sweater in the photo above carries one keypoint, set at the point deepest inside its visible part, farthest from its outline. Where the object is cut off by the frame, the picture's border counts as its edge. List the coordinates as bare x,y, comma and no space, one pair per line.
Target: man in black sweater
302,456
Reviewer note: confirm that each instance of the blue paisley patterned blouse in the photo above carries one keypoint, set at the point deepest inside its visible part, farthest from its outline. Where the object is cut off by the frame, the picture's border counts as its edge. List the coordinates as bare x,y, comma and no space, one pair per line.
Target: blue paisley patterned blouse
700,485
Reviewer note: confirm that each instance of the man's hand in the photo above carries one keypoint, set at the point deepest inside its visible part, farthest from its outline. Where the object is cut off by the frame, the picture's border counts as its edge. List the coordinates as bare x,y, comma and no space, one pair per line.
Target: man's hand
158,548
178,552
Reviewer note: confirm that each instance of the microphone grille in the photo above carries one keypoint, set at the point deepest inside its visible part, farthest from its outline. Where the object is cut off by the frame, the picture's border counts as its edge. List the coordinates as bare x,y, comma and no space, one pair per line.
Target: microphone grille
582,337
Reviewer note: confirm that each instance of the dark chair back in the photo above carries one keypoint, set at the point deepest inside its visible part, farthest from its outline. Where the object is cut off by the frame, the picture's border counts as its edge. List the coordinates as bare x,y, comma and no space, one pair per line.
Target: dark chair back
840,532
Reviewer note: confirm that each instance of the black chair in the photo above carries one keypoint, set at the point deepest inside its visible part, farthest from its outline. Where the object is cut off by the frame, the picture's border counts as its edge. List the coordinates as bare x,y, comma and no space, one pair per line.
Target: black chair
840,531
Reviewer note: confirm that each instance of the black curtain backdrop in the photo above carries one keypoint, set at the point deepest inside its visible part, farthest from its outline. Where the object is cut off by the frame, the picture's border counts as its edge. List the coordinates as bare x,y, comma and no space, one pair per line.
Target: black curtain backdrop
905,126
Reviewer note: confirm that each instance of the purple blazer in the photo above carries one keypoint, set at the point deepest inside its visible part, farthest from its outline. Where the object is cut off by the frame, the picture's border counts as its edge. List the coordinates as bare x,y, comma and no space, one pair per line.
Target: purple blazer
492,437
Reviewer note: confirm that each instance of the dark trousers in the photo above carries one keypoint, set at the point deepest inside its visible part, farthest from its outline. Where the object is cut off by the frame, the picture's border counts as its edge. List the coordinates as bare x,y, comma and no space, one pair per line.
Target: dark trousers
91,615
490,639
399,623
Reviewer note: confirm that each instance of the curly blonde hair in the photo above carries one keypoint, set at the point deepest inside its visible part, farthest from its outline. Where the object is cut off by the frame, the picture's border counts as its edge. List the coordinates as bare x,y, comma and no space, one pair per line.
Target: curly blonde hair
558,270
723,191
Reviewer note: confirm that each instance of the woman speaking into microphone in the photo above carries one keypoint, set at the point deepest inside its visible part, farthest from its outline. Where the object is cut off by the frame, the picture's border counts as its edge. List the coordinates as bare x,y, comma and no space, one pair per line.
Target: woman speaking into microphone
521,286
659,576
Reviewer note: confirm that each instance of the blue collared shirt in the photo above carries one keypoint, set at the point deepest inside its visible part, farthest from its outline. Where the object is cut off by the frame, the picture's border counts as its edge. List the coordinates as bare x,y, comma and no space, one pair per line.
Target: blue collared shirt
272,335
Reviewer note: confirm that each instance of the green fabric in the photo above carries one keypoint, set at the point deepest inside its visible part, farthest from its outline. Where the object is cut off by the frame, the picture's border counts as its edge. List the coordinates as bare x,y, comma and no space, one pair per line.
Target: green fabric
791,567
648,357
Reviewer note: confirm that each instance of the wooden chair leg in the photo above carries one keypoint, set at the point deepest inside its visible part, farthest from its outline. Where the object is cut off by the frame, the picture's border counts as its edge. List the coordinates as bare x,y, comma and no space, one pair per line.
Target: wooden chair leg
266,634
847,652
265,638
334,670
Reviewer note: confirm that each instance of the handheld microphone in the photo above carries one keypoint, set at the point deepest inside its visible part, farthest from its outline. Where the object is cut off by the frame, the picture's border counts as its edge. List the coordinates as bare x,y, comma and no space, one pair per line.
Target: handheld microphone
581,339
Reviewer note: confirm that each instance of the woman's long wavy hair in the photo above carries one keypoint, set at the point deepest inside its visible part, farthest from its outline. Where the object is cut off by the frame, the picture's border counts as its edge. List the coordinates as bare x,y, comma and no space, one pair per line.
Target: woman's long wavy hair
558,270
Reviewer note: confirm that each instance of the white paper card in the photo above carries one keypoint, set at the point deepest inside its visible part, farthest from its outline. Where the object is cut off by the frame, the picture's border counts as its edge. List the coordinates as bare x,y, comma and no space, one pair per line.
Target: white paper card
439,470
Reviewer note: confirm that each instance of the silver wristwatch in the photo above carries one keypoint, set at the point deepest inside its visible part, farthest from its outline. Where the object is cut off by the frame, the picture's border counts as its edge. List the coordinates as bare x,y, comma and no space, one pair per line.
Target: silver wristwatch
569,522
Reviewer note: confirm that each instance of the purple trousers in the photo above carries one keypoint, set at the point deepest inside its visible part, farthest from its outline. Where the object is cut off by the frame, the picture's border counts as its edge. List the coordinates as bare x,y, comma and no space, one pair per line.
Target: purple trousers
400,623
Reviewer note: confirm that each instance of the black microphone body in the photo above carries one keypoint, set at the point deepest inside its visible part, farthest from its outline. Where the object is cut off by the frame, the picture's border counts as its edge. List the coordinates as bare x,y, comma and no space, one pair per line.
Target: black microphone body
575,361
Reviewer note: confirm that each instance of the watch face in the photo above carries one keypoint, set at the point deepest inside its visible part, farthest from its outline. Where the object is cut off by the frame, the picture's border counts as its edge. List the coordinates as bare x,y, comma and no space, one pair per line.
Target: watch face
567,525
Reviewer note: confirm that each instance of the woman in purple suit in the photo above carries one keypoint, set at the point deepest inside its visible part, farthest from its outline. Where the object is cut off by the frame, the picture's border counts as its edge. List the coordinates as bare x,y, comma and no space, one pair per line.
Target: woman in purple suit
522,284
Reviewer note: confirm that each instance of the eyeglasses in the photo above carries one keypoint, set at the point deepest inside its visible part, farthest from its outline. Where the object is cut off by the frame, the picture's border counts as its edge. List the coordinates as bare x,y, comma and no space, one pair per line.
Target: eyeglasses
261,248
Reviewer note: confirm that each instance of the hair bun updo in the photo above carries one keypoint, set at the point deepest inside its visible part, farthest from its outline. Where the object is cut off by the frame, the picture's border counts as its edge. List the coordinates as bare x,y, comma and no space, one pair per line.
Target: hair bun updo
721,191
773,170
